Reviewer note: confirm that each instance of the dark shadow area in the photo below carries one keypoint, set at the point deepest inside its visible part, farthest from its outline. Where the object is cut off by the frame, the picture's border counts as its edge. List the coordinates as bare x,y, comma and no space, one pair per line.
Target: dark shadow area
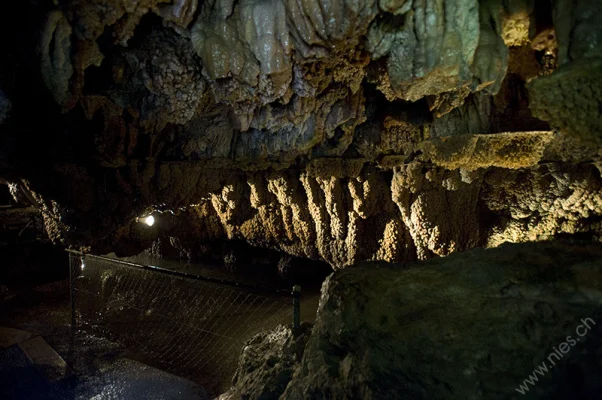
238,261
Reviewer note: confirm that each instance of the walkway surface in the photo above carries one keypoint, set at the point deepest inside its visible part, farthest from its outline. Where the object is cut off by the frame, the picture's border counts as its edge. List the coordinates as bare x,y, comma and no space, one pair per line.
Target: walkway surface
31,369
41,358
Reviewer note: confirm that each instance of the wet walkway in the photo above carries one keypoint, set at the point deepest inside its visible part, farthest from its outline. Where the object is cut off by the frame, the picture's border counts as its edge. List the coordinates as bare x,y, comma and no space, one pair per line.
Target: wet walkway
103,366
25,376
49,361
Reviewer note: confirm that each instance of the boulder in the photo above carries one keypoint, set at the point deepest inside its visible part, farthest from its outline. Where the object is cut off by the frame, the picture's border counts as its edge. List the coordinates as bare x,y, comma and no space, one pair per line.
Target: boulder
518,321
267,363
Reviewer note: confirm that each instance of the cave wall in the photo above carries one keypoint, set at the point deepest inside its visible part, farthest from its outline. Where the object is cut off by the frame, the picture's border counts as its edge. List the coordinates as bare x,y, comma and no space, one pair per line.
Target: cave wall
341,210
339,130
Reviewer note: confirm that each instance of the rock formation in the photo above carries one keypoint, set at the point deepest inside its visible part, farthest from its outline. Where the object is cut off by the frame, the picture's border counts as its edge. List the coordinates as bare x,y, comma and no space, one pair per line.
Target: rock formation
475,325
345,131
267,363
338,130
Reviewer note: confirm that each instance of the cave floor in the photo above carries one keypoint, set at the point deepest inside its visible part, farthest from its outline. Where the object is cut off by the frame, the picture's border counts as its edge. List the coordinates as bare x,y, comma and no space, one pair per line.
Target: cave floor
94,367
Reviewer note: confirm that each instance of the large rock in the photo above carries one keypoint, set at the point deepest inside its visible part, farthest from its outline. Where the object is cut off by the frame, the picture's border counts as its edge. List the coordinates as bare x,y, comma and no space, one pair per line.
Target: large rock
571,99
267,363
476,325
432,50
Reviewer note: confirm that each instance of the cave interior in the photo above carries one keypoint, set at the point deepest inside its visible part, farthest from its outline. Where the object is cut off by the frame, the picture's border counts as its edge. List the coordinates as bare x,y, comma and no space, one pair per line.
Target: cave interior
318,199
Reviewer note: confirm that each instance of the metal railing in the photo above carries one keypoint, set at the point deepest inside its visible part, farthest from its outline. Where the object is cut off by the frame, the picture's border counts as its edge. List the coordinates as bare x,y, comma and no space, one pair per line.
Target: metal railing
188,325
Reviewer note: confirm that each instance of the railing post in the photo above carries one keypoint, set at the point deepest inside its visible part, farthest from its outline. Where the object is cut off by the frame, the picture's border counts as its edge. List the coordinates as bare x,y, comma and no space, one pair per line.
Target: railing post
296,308
72,271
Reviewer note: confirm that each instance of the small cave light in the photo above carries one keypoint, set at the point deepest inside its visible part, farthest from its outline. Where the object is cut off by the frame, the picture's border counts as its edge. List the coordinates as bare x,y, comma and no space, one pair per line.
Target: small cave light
150,220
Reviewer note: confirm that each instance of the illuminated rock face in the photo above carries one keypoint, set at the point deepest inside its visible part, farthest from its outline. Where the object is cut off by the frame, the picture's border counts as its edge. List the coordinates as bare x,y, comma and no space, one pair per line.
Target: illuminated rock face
341,130
336,210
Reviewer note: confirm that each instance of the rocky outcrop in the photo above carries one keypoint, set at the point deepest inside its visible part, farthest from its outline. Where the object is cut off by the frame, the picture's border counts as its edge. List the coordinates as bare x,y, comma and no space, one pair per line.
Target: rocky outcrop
267,363
570,99
55,55
435,47
469,326
457,194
